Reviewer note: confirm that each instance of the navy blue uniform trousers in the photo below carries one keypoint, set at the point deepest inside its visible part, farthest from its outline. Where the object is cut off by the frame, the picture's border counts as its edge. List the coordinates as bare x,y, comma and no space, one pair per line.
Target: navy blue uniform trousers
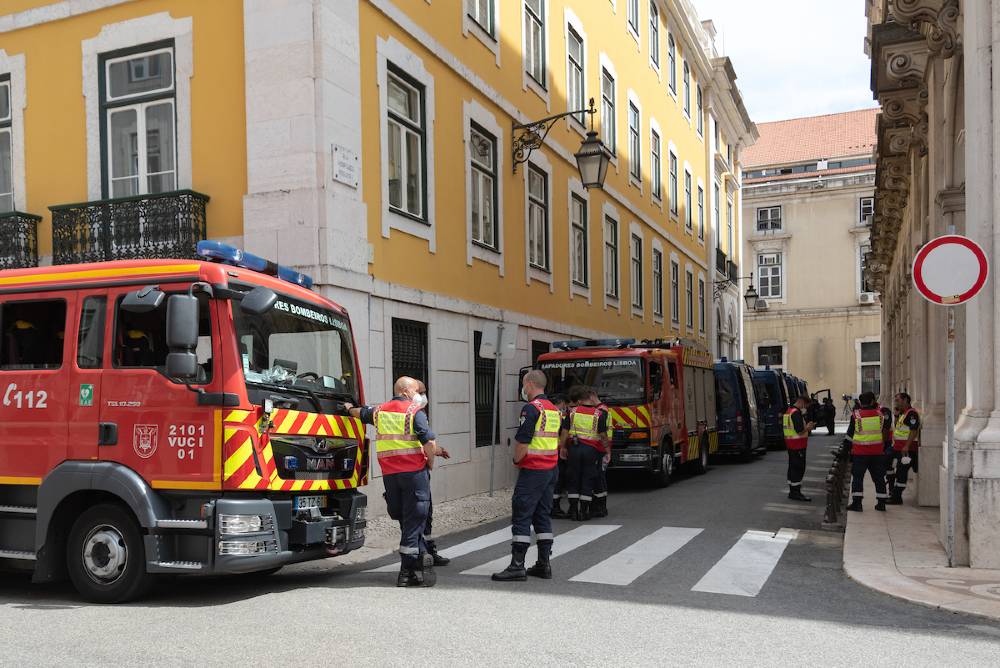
408,500
531,505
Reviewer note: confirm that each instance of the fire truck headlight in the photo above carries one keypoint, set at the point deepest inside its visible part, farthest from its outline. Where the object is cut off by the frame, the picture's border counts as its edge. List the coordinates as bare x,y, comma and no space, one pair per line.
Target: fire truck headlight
237,524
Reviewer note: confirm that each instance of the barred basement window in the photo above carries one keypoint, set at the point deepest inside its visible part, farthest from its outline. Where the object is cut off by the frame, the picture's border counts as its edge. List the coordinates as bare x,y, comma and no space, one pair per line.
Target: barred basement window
409,350
138,122
485,383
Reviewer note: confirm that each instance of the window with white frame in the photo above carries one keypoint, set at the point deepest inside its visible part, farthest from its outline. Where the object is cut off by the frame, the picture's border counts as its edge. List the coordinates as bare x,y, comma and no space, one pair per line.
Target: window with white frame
611,257
772,356
534,40
483,158
688,202
716,203
578,240
769,272
689,294
633,16
538,218
655,167
481,11
672,63
867,209
657,282
636,283
575,90
871,367
675,294
687,87
701,305
701,213
863,250
6,148
654,34
673,183
634,142
768,218
407,144
729,227
139,130
608,121
701,112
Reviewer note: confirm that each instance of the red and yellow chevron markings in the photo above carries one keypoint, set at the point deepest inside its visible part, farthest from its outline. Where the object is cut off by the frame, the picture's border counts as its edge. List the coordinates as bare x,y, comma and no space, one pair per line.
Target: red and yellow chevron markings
249,458
630,417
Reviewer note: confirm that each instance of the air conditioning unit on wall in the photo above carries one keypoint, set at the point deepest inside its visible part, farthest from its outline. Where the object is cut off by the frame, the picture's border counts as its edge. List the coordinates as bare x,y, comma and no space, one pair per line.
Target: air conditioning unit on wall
761,305
867,298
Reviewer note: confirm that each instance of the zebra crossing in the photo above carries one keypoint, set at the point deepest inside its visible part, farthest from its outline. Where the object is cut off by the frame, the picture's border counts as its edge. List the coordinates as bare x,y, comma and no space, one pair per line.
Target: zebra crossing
743,570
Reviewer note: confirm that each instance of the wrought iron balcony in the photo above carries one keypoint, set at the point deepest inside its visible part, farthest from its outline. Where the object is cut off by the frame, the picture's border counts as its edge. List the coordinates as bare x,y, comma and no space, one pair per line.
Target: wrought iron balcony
733,271
165,225
720,261
18,240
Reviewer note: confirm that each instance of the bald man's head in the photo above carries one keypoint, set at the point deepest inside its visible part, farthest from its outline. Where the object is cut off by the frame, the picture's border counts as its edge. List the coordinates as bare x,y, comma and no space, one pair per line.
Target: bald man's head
533,384
405,387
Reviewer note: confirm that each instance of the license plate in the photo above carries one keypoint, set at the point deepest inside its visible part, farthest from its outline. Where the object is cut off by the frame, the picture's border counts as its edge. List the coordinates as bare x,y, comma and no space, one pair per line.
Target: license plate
634,458
307,502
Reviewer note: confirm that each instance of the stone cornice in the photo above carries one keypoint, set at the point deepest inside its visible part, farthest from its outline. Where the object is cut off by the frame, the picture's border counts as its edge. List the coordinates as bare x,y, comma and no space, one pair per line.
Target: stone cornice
935,20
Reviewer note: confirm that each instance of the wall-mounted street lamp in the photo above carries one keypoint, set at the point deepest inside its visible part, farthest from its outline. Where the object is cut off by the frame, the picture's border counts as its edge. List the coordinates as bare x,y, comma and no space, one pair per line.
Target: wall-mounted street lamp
591,160
750,296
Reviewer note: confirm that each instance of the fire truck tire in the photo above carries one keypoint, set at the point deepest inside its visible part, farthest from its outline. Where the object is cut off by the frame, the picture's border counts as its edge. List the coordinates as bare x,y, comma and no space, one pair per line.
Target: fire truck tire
105,556
701,466
661,478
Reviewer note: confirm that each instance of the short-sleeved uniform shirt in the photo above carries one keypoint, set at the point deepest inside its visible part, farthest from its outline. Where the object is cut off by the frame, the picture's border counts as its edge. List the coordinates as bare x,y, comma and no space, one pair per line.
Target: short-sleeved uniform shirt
421,426
528,420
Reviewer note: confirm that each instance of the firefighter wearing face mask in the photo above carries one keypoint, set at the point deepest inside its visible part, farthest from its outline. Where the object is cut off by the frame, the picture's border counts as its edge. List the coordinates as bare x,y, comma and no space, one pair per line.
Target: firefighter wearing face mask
420,400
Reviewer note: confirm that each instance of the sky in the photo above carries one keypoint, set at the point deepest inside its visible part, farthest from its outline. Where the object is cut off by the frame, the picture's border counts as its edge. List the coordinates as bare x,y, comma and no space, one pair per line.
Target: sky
794,58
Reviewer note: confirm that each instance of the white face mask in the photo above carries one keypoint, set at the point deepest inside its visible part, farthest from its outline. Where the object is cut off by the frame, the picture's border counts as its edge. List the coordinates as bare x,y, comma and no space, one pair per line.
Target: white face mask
524,394
420,400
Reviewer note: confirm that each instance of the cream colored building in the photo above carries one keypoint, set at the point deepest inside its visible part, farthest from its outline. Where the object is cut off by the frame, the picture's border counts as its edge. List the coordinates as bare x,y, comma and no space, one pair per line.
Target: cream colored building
807,203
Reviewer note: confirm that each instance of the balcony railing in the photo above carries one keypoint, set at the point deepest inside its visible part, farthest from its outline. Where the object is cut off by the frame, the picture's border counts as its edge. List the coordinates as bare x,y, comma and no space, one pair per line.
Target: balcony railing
165,225
720,261
733,271
18,240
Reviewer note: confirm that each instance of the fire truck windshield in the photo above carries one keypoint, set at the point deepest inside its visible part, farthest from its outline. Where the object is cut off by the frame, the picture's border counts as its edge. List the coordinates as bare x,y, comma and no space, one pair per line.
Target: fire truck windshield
619,381
298,347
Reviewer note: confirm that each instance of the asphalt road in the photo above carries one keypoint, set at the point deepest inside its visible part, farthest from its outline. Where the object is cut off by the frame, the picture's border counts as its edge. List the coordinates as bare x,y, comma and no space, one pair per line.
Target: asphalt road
715,567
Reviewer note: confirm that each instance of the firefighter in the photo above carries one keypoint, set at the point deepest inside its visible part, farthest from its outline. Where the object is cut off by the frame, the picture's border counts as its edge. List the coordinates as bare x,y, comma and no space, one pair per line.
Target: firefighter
905,444
405,447
866,433
557,511
796,431
421,401
587,435
601,486
536,455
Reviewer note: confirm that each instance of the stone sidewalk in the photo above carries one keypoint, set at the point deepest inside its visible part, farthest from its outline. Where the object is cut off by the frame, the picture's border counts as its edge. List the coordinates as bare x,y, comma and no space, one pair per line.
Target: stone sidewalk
898,552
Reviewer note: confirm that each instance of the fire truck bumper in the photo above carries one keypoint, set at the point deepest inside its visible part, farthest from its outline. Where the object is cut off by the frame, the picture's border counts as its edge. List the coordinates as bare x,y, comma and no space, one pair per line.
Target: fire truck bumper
260,534
634,457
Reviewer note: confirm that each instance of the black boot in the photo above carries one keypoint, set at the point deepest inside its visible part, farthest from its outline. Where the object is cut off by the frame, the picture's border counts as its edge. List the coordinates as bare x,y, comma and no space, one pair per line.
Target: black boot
880,505
542,568
405,574
557,512
599,507
795,494
574,510
585,511
515,572
436,559
856,505
896,498
417,573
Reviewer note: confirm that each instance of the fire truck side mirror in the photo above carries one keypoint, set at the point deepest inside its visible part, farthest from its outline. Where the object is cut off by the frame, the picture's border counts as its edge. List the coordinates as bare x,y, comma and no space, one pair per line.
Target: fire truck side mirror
182,337
258,301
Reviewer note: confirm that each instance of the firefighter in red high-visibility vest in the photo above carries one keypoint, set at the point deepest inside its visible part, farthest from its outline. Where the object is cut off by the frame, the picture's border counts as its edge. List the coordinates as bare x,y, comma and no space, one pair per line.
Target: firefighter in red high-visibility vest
796,431
905,444
867,433
587,436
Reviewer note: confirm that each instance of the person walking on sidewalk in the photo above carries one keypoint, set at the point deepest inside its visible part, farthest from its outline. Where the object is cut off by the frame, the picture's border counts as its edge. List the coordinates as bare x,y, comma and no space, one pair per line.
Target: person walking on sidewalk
405,448
905,444
796,431
536,454
867,433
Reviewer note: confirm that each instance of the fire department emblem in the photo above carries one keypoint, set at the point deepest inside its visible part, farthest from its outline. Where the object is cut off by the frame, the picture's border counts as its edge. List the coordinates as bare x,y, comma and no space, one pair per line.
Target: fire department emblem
144,438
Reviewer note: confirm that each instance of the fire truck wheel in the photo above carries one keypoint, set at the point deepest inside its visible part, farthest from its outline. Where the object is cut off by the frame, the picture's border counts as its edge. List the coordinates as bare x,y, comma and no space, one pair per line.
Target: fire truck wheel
661,478
701,466
105,556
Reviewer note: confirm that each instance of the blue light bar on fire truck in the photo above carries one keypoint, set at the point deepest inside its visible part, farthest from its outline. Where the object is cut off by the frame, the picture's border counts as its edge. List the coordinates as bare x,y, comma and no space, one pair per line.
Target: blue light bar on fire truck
217,251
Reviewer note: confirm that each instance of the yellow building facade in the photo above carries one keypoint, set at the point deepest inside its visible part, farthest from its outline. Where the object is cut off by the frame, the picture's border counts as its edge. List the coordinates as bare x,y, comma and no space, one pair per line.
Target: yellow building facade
372,144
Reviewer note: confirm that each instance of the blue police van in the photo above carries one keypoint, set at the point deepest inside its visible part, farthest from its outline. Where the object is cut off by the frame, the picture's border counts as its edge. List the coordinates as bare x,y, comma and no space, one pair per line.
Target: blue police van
772,402
741,429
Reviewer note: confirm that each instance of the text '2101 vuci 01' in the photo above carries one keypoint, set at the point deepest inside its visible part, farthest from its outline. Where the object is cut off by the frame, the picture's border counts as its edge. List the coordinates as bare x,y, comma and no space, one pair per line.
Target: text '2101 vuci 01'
175,417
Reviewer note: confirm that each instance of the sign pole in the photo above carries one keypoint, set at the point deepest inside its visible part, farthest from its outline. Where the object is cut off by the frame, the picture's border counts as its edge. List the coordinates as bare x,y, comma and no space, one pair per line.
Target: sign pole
496,406
949,417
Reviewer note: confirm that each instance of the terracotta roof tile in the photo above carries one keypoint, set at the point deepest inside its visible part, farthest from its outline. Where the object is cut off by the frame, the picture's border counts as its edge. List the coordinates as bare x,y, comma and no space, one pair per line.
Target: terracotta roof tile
798,140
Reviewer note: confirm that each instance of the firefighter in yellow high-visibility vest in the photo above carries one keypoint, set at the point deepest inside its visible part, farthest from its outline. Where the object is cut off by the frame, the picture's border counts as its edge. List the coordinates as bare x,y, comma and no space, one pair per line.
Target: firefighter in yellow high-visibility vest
867,434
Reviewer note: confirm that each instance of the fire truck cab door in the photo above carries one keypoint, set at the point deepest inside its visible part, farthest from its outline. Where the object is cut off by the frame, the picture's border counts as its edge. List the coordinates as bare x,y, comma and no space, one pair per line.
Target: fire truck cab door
162,432
89,339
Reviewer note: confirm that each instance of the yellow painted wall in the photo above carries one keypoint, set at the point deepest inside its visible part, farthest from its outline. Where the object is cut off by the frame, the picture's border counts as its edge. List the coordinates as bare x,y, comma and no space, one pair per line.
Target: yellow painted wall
55,120
407,260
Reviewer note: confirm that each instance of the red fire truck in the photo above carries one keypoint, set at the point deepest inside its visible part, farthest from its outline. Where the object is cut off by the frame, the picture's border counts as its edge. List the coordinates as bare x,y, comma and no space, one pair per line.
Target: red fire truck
175,417
661,395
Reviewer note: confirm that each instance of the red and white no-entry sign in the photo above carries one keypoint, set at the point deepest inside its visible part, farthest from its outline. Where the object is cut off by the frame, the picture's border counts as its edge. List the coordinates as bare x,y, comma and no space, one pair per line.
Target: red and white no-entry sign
950,270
